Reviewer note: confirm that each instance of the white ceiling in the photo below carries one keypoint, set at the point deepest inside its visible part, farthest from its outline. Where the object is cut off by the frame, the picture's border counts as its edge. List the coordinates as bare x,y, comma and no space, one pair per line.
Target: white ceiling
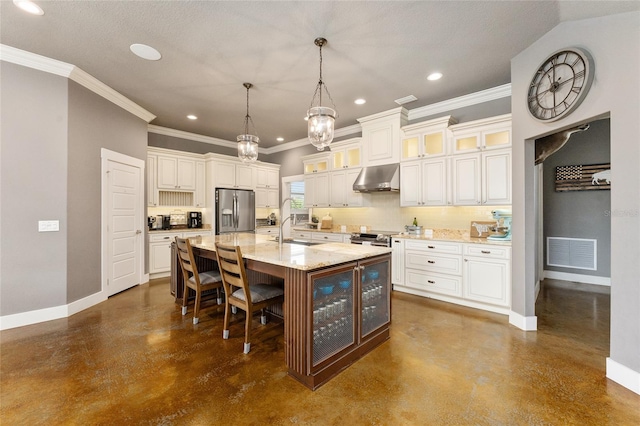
377,50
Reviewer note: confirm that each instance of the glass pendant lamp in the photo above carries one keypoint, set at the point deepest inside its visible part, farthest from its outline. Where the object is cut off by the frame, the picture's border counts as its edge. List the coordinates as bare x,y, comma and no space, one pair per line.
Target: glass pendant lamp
247,143
321,119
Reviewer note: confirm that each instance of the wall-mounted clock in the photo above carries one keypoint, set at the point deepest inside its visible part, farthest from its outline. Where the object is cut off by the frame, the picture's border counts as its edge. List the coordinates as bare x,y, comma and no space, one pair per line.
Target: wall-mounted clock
560,84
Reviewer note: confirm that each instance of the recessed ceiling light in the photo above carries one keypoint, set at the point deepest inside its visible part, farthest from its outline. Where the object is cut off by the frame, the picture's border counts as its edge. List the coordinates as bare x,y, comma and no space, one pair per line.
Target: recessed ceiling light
29,6
192,117
280,139
405,100
434,76
360,101
306,118
145,52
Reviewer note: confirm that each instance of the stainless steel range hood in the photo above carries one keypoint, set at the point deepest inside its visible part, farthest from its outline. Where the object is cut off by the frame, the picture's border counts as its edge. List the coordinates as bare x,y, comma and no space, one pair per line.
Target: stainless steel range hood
378,178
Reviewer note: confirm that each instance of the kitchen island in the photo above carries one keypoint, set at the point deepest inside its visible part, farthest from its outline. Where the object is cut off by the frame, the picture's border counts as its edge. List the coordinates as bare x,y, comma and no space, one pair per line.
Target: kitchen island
337,302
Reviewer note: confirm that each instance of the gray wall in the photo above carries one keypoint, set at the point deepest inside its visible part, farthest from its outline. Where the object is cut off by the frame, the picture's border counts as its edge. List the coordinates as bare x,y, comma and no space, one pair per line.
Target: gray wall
33,185
52,132
94,123
290,161
580,214
616,93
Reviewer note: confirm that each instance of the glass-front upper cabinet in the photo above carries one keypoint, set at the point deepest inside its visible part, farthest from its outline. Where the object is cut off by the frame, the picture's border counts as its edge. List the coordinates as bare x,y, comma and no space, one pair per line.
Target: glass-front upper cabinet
479,135
346,154
426,139
316,163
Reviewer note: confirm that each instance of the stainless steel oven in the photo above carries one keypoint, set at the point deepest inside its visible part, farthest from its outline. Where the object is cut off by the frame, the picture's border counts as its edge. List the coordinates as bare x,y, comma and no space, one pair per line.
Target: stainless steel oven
373,238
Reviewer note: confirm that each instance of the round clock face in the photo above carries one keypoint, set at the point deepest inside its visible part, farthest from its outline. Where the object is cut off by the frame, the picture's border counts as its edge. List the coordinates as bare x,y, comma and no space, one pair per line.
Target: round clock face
560,84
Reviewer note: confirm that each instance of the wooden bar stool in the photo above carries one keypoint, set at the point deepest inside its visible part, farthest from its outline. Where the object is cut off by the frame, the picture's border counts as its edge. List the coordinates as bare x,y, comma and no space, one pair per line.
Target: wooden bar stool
249,298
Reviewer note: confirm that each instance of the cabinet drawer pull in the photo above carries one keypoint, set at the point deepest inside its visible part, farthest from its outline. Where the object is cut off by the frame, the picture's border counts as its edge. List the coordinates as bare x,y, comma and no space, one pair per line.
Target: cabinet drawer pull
431,247
431,281
431,261
485,251
167,238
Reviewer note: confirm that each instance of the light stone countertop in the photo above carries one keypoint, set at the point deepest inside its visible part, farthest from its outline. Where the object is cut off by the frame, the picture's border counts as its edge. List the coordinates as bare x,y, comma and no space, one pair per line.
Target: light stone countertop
263,248
452,235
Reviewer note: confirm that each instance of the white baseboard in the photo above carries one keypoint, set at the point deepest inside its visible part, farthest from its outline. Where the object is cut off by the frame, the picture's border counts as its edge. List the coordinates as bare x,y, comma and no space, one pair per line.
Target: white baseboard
86,302
623,375
522,322
145,279
578,278
49,314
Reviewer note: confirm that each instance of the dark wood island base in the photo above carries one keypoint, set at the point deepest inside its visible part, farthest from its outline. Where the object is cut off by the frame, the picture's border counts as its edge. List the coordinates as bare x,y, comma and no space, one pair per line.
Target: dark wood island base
334,313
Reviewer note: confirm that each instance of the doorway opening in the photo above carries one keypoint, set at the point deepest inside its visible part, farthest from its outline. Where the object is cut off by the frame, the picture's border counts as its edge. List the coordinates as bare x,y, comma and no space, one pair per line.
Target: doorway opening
573,220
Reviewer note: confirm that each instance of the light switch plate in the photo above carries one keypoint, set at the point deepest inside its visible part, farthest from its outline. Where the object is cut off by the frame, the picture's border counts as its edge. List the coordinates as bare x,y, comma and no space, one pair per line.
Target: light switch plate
48,225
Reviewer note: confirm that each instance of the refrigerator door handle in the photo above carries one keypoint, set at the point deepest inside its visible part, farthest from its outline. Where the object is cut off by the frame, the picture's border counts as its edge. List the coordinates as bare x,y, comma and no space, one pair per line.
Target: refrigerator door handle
235,211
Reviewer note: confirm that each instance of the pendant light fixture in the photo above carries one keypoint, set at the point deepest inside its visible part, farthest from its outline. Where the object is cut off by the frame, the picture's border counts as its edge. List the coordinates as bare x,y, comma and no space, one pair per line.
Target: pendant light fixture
321,120
248,144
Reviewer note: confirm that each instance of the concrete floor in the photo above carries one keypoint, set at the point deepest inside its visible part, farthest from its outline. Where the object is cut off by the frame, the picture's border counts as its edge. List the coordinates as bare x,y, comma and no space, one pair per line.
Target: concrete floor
135,360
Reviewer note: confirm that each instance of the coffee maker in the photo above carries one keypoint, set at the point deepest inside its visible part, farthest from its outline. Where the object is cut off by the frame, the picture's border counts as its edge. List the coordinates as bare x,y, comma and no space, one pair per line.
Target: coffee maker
194,219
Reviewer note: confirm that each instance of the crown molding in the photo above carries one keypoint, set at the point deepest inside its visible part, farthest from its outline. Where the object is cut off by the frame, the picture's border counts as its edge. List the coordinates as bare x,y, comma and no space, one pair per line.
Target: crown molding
192,136
494,93
63,69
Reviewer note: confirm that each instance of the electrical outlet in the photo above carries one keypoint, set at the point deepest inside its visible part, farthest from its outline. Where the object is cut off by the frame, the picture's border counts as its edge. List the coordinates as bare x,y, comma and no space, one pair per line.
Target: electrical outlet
48,225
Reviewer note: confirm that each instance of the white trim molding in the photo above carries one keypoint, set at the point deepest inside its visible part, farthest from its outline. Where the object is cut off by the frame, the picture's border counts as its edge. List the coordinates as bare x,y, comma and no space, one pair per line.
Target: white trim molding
63,69
522,322
623,375
53,313
578,278
494,93
166,131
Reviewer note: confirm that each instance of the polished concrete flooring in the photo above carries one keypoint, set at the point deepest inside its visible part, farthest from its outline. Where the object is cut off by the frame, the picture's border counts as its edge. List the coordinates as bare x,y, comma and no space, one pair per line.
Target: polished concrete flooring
135,360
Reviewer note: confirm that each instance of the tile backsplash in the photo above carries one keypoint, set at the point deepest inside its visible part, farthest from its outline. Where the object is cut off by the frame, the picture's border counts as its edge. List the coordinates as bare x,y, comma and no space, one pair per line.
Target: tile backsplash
385,214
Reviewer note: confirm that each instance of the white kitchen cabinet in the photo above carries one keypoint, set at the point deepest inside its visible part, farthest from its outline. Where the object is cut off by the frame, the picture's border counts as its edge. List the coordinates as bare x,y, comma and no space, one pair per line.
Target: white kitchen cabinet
176,173
152,188
381,136
341,193
201,185
268,231
316,163
474,275
326,237
480,135
160,249
316,190
229,174
301,235
482,178
397,262
346,154
267,198
267,177
160,252
435,267
426,139
424,183
486,274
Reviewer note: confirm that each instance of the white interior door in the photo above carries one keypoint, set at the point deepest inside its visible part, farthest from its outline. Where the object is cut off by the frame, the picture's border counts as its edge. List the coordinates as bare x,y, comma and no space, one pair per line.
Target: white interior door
124,215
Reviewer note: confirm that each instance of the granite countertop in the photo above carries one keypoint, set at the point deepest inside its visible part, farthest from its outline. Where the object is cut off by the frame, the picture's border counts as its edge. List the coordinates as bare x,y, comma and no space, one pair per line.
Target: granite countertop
263,248
452,235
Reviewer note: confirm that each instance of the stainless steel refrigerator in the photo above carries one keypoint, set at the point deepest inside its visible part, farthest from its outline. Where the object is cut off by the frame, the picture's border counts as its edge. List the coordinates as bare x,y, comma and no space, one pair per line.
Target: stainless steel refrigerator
235,211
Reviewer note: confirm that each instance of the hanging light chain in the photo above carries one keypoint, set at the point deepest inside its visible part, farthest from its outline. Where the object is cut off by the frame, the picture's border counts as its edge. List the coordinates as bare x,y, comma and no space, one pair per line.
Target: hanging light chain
318,92
247,117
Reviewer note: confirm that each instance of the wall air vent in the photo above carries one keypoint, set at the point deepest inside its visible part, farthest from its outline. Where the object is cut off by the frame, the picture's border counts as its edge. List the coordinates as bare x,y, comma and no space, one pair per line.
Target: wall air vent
406,100
575,253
